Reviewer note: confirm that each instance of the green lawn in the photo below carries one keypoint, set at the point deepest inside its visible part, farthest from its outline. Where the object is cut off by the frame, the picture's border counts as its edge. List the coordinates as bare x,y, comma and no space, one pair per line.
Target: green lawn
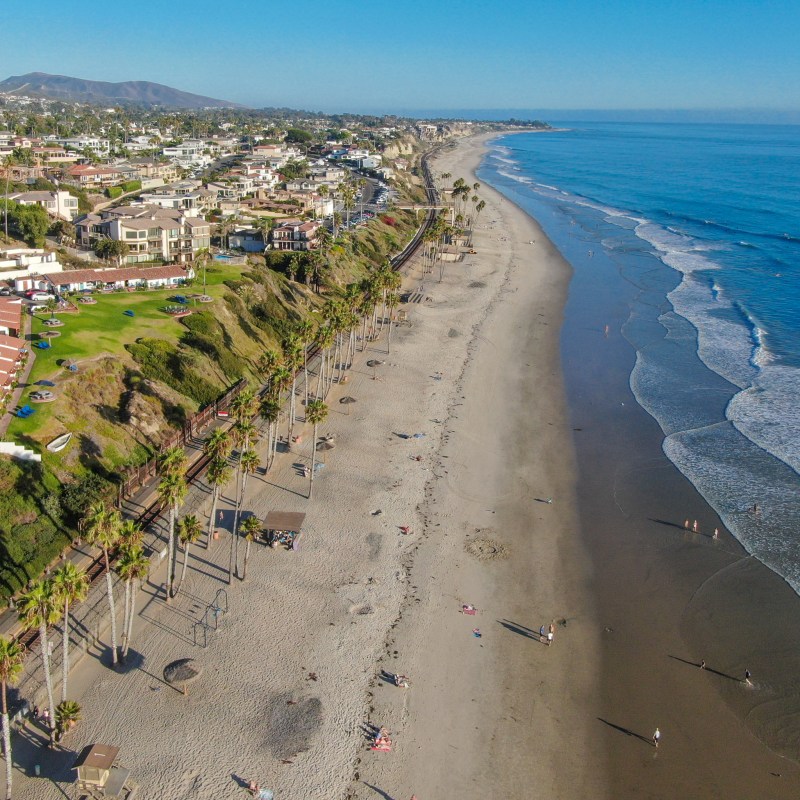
103,329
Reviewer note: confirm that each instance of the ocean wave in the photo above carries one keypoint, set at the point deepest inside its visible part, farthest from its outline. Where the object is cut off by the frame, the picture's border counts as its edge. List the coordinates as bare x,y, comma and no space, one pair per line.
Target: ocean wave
733,474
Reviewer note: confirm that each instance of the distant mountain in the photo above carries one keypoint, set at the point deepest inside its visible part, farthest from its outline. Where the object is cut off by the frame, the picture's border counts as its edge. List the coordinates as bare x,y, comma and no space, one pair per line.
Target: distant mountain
61,87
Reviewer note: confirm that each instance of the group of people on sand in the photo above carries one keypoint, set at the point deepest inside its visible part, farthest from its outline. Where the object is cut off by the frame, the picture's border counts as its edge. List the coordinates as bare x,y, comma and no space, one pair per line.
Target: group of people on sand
546,635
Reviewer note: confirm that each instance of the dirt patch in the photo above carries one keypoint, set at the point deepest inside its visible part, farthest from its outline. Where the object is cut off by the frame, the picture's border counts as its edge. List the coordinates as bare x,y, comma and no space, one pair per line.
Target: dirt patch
291,724
485,549
453,333
374,545
477,285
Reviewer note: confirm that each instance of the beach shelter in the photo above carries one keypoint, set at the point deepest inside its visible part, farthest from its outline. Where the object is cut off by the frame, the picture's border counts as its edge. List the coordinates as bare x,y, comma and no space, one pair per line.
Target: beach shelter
70,364
284,525
99,775
182,672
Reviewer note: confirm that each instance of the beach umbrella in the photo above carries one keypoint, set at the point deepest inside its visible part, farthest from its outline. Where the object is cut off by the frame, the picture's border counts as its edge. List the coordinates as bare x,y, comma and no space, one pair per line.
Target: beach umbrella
324,445
182,672
347,401
373,362
45,383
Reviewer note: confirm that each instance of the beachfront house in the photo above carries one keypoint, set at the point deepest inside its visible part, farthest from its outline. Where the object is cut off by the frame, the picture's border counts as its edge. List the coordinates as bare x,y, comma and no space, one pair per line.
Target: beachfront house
293,234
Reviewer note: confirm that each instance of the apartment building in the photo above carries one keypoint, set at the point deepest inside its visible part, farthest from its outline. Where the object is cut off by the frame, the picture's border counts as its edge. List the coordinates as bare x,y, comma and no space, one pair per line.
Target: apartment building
296,235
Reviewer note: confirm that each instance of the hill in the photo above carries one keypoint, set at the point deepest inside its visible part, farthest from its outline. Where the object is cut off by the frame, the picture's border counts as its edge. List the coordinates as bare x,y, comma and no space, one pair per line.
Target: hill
62,87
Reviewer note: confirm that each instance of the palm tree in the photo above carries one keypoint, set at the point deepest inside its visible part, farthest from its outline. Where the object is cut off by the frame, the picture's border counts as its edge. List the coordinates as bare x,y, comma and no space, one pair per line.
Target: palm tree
130,533
250,527
71,586
172,491
67,714
189,531
316,412
39,608
101,527
291,358
280,382
248,464
11,655
305,333
218,445
269,410
243,405
202,258
218,475
133,566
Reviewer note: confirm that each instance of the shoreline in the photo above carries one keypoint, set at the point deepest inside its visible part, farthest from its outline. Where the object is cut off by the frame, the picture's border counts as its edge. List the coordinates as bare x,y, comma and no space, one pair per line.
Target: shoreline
503,713
669,599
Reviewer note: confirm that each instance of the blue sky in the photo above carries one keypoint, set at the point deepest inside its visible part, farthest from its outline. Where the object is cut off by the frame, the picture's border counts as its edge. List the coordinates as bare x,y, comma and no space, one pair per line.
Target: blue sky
378,55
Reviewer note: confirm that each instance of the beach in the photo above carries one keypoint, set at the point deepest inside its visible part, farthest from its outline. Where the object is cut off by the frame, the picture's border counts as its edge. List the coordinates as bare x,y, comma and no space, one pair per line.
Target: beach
531,494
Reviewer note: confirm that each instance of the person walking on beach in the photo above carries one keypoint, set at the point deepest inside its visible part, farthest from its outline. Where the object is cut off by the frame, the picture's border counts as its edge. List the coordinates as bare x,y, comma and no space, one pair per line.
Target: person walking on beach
542,633
686,525
702,664
656,737
694,526
549,638
716,533
747,677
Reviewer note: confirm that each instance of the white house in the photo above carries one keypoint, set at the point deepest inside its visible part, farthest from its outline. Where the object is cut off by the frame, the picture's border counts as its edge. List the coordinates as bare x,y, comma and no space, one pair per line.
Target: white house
56,204
21,262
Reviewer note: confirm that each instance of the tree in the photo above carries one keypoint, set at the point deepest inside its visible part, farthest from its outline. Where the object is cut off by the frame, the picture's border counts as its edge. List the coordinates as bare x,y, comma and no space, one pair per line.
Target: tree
298,136
316,413
111,249
101,527
67,714
202,259
292,353
130,533
133,566
269,410
217,445
172,491
189,531
30,223
218,475
39,608
248,464
250,527
11,656
71,586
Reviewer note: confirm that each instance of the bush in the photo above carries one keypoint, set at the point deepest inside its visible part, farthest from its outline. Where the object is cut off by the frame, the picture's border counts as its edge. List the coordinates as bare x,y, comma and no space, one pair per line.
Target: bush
162,361
131,186
114,192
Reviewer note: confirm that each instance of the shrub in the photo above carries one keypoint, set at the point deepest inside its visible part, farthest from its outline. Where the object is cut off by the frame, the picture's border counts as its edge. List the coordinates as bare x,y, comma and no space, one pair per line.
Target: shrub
162,361
131,186
114,192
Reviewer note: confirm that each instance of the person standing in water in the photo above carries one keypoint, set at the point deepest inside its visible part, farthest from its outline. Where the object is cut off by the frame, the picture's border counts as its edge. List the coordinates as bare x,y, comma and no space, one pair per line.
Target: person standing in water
656,737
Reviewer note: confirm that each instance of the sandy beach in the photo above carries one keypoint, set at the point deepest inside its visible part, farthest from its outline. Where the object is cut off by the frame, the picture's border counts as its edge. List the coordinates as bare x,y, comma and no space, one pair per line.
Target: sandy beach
292,675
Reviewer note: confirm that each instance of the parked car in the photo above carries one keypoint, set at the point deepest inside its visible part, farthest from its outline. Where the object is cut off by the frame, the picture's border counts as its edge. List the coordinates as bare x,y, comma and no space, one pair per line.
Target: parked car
42,297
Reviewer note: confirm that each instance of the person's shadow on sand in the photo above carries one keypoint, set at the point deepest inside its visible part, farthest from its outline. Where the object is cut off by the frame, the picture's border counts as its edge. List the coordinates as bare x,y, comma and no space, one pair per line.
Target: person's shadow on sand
520,630
707,669
383,794
626,731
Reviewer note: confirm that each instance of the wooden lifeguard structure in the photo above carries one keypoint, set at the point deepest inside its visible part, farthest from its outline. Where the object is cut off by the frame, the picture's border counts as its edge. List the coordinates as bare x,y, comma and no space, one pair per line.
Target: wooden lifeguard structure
99,775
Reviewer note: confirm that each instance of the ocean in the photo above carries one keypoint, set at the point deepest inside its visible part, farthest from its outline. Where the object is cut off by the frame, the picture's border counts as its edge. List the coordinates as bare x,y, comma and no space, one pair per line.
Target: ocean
703,221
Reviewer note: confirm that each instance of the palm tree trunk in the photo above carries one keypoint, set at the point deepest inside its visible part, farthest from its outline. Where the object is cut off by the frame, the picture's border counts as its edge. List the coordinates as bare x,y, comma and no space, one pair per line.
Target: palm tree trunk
185,562
134,591
125,612
313,463
7,745
364,333
292,406
48,681
320,374
389,337
170,552
269,445
305,373
212,517
246,557
233,530
236,521
65,651
112,609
